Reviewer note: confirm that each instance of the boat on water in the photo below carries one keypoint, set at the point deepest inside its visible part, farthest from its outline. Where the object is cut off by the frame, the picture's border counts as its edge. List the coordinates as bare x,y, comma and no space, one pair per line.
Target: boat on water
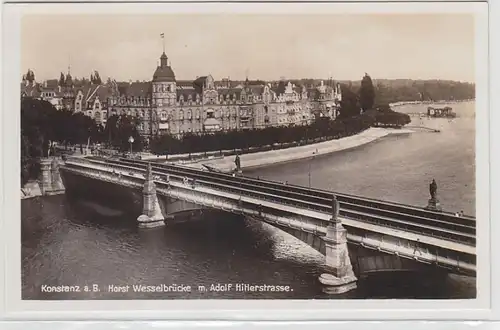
446,112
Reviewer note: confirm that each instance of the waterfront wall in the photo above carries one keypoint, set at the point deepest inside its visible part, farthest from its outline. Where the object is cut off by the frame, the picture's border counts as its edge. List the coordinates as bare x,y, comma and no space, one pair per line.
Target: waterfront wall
272,157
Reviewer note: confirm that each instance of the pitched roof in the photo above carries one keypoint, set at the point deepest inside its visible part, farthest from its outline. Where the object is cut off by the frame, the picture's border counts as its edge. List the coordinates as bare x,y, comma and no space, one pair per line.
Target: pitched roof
136,89
52,83
257,89
186,93
230,92
30,90
184,83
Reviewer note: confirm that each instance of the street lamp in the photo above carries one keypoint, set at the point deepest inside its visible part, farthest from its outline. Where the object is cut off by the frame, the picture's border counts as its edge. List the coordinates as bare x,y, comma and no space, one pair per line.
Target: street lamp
310,161
131,140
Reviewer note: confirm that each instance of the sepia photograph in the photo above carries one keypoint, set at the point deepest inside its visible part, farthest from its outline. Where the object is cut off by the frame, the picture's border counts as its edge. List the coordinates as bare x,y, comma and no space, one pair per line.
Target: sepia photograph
176,156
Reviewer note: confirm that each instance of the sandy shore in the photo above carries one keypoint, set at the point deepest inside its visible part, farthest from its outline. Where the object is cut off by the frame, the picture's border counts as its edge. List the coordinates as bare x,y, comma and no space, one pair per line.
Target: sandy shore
265,158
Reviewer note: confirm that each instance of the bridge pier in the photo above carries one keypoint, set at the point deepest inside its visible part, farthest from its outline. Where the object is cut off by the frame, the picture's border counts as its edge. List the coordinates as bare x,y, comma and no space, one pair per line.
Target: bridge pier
57,184
51,183
46,183
340,278
152,215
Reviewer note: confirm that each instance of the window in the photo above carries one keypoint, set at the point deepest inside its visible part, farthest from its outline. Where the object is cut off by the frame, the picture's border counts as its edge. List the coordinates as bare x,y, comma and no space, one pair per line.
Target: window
210,113
181,115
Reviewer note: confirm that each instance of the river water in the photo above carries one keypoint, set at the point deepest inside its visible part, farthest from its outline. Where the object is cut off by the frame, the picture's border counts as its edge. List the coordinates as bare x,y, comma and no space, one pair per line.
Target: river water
75,242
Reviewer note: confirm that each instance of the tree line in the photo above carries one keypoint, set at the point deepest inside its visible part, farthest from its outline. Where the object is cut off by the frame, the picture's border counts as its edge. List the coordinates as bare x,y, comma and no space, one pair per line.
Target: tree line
357,113
273,137
403,90
42,126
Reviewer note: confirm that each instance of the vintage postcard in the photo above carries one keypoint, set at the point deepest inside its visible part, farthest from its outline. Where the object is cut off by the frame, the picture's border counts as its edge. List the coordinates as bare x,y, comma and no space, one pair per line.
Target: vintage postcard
174,155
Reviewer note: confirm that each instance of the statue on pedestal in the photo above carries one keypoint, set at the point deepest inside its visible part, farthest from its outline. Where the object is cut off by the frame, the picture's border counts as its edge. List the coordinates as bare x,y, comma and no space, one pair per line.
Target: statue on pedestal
433,201
433,189
237,162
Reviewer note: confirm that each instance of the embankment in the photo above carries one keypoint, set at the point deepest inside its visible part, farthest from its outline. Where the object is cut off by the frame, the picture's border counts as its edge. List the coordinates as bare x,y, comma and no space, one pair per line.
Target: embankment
266,158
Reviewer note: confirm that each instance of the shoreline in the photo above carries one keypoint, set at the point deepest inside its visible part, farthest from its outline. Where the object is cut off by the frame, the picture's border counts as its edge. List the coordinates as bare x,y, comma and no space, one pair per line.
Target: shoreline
402,103
282,156
251,161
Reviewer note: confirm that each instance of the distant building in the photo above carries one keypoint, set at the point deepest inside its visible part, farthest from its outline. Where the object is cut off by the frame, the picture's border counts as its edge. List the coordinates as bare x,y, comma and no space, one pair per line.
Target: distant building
166,105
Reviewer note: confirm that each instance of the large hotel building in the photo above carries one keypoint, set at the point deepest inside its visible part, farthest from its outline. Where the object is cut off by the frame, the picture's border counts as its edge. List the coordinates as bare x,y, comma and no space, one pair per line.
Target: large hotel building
167,105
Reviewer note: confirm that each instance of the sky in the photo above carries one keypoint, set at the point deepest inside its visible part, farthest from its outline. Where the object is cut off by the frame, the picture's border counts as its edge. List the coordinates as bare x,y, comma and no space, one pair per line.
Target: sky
267,47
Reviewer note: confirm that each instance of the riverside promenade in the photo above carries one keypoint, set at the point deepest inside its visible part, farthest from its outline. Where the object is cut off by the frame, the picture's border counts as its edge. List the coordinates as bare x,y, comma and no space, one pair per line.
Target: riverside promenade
266,158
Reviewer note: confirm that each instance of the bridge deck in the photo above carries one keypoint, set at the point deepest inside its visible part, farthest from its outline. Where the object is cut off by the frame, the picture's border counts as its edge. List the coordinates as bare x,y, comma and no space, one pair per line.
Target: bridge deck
348,222
425,239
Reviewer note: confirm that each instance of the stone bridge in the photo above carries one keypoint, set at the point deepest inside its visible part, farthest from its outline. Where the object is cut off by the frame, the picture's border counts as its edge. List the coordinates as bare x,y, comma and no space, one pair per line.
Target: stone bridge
376,243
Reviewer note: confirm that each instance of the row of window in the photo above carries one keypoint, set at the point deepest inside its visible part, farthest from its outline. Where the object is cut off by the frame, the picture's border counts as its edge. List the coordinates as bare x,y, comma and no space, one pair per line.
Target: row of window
197,130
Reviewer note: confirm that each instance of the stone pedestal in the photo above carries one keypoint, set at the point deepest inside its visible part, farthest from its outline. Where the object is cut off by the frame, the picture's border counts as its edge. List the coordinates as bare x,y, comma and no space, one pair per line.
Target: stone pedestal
152,215
434,205
46,180
50,182
340,277
57,184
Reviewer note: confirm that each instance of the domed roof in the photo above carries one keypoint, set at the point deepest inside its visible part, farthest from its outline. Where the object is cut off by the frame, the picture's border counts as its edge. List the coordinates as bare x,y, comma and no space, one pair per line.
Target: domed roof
164,72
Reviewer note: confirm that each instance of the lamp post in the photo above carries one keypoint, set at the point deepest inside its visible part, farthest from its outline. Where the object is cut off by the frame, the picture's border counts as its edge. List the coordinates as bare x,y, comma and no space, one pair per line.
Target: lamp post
310,161
131,140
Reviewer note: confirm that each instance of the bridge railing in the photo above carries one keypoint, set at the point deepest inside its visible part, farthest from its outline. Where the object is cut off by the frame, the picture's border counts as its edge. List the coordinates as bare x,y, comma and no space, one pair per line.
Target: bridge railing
352,198
283,200
453,224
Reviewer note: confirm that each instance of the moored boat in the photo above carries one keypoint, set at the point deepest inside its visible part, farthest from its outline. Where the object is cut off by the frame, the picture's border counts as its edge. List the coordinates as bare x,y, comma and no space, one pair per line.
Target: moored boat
446,112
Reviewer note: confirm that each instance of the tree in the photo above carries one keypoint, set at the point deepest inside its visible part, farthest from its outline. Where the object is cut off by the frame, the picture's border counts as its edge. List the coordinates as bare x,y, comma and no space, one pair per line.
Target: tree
119,128
366,93
61,80
97,78
349,105
36,132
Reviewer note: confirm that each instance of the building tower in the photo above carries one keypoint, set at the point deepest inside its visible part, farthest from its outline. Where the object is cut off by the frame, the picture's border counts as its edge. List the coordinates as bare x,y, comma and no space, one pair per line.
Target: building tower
164,95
